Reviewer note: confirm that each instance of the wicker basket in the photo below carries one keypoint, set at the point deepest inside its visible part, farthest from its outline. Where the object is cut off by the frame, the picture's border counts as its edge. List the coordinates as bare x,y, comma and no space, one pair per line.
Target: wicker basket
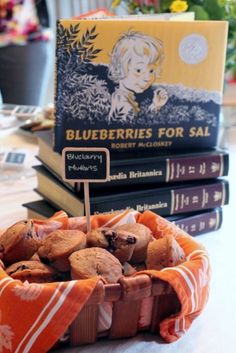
177,293
126,297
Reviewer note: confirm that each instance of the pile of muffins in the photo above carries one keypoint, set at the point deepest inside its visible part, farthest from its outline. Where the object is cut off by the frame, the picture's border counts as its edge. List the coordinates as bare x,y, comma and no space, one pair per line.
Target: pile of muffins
71,254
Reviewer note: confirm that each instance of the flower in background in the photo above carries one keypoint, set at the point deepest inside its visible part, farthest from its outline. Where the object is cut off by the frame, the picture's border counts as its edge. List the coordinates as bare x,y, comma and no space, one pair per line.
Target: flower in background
178,6
19,22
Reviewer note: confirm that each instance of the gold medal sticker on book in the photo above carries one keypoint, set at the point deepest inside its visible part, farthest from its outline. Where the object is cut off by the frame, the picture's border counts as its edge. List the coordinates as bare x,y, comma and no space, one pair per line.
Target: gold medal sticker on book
139,84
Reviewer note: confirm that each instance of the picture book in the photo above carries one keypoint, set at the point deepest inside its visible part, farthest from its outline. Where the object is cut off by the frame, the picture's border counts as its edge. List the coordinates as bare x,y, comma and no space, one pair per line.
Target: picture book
139,83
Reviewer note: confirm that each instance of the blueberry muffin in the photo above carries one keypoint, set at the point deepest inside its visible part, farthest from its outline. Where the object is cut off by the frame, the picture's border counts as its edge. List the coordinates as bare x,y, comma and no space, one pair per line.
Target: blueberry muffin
164,252
143,236
59,245
118,242
33,272
19,242
90,262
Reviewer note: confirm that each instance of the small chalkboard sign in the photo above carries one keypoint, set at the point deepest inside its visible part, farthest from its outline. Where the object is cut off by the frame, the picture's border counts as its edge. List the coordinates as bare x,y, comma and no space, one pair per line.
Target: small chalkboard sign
86,164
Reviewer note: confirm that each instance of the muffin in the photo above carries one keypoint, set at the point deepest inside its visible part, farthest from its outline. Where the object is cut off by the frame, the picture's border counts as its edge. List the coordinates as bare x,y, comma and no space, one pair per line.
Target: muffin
90,262
164,252
32,271
118,242
59,245
143,236
19,242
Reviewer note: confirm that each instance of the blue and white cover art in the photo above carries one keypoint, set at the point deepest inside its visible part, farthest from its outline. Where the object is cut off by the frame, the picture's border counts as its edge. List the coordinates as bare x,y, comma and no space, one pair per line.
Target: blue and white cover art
133,92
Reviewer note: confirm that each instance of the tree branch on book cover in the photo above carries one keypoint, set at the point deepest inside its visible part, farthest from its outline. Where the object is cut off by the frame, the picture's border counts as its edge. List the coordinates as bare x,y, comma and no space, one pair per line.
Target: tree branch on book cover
123,85
67,40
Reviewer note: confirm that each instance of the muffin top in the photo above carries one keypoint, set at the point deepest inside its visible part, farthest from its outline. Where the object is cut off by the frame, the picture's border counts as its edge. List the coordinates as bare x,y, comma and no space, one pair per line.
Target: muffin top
118,242
90,262
61,243
33,271
14,234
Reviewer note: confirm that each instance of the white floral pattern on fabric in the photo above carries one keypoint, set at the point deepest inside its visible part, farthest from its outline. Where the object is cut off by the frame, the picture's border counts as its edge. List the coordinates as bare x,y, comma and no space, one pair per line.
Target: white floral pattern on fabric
28,291
203,276
78,223
6,336
129,217
203,272
45,229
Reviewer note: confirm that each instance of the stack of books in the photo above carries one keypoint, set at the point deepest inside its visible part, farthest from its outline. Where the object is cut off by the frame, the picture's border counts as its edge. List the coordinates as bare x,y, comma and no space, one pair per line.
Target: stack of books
183,187
157,114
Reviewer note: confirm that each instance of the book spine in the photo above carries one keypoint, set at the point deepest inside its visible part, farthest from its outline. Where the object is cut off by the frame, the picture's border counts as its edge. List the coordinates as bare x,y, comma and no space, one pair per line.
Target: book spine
58,128
200,197
167,202
168,170
197,167
202,223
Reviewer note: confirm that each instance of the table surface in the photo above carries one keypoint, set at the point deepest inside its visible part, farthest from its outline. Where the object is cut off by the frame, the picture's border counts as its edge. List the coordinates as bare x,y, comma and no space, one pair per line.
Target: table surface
214,330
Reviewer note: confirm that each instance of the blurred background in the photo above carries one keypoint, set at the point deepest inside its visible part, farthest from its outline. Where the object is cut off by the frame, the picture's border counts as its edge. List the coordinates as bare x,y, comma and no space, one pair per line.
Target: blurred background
27,38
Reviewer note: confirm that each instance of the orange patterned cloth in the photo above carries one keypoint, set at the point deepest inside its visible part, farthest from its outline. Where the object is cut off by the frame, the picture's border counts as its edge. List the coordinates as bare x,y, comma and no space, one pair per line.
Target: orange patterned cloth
34,316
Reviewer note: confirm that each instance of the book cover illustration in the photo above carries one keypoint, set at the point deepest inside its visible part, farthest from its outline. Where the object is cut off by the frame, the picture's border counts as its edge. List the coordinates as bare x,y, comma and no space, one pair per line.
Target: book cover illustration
138,84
